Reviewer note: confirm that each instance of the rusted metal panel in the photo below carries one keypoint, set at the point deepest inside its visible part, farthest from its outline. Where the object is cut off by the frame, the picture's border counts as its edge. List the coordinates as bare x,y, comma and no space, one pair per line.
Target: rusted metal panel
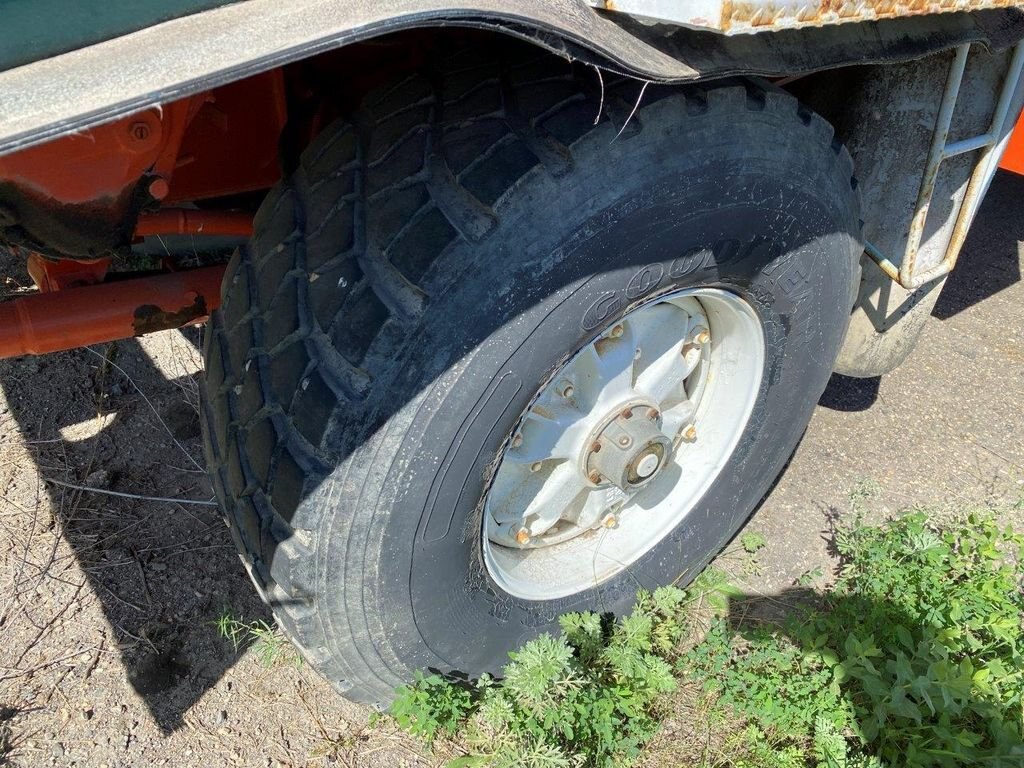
746,16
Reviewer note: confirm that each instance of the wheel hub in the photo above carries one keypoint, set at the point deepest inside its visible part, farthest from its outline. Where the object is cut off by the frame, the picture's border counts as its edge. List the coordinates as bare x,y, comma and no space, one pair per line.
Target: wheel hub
606,459
629,450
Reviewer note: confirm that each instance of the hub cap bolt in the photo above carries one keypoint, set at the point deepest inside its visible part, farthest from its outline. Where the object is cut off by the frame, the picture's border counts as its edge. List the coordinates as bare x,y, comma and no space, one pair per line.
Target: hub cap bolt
690,432
522,536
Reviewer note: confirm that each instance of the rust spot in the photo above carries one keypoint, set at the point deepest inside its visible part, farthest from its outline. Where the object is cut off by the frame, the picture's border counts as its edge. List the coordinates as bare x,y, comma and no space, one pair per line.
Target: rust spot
149,317
751,14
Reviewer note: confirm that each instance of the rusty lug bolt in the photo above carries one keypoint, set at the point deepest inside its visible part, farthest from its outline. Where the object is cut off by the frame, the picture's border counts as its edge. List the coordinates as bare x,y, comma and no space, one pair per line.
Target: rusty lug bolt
652,414
594,476
702,337
617,331
690,432
522,536
627,413
595,447
536,466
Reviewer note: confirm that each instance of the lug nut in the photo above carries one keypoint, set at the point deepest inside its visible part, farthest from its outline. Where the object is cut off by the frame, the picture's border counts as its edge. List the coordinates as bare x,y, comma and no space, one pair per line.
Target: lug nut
536,466
653,414
594,477
565,389
702,337
627,413
610,521
522,536
690,432
616,331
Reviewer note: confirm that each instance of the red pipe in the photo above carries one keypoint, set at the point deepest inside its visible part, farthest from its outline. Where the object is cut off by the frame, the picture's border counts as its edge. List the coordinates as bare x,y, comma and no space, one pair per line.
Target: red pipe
182,221
76,317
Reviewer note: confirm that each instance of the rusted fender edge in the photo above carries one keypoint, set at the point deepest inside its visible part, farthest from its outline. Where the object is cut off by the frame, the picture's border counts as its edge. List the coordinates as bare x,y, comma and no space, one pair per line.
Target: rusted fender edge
108,80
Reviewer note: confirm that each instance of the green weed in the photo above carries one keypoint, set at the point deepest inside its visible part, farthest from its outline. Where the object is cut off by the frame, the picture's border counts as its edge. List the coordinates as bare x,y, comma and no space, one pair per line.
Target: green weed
914,657
266,641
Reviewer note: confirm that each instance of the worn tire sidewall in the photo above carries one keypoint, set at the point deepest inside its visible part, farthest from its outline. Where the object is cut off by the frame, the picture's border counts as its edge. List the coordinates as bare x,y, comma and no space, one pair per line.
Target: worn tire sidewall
399,558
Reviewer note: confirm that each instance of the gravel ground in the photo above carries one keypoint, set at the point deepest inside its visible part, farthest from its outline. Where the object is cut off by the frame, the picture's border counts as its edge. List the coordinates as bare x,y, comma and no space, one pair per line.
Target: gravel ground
110,652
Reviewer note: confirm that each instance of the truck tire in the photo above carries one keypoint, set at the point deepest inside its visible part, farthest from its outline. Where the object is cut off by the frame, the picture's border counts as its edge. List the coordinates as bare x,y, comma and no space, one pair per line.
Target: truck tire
431,330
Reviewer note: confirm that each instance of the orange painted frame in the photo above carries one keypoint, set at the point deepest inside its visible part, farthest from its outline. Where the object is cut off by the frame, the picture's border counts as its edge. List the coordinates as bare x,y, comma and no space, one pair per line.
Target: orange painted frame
1013,158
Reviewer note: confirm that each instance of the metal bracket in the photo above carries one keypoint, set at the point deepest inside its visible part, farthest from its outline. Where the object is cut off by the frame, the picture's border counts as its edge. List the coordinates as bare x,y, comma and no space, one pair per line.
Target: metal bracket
992,143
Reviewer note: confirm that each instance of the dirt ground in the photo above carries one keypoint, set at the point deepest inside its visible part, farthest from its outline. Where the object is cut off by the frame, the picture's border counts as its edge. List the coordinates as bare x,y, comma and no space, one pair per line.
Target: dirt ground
110,655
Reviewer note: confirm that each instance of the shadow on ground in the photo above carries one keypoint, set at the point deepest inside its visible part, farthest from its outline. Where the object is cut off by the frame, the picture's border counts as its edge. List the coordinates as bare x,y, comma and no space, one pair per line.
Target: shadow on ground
162,571
989,262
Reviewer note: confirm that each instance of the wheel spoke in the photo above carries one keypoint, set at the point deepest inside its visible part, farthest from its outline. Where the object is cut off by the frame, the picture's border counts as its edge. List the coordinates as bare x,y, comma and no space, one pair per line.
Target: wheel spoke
665,359
549,433
604,369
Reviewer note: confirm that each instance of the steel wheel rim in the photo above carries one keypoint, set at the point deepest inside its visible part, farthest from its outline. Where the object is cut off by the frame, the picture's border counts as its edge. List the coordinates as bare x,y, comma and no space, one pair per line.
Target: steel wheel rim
584,487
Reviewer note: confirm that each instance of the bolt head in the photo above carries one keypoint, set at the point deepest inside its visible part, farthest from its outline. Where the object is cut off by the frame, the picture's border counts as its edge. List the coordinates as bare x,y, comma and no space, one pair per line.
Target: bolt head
159,188
703,337
652,414
522,536
536,466
610,521
617,331
517,441
139,131
690,432
566,389
627,413
594,476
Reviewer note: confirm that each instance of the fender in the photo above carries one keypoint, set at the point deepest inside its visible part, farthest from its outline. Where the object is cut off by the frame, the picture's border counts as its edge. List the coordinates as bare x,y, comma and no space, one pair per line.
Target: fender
165,59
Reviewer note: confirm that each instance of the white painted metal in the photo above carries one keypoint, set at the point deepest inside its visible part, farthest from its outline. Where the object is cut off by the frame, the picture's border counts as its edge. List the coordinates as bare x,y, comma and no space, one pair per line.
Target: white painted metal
992,143
682,371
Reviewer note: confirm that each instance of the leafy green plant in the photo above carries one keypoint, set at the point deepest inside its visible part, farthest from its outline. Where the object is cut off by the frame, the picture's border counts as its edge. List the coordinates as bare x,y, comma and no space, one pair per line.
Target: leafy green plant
913,657
431,706
753,542
587,696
